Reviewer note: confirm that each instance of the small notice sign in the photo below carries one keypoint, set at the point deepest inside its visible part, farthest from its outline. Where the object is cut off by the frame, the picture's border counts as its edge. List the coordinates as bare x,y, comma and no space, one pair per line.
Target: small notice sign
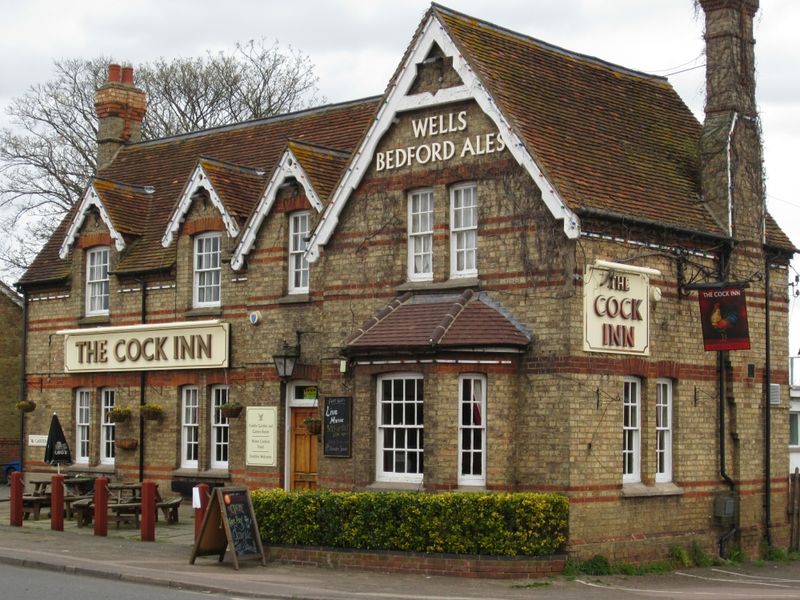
230,522
37,440
261,442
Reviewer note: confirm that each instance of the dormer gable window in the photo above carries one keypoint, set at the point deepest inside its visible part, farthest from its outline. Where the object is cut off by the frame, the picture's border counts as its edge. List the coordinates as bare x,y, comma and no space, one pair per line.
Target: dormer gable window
97,281
207,270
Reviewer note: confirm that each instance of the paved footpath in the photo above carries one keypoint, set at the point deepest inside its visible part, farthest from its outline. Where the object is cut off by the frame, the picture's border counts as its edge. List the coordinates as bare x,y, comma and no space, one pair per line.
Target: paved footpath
165,562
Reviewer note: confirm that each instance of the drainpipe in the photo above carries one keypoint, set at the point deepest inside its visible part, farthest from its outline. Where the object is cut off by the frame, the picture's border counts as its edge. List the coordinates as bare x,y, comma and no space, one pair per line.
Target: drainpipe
722,385
23,388
142,382
767,415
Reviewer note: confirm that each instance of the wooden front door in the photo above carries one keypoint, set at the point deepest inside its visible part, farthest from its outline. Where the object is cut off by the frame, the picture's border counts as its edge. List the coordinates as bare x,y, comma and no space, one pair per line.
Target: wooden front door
304,450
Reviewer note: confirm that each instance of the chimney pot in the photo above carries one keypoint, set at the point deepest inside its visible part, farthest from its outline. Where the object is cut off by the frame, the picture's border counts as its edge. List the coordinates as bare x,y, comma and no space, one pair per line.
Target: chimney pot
127,75
114,73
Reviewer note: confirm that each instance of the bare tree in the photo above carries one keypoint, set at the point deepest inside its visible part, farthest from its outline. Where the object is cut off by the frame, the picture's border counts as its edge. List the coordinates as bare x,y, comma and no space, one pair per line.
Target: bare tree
49,155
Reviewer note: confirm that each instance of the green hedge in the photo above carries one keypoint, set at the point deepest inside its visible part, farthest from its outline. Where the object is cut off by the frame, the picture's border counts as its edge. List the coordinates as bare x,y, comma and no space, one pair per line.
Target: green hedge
503,524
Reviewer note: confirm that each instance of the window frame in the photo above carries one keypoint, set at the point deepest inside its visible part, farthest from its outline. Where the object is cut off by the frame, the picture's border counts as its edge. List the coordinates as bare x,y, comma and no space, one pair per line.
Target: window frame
393,476
632,443
461,231
83,425
200,269
794,415
297,252
664,443
95,283
472,479
108,431
190,430
422,235
220,428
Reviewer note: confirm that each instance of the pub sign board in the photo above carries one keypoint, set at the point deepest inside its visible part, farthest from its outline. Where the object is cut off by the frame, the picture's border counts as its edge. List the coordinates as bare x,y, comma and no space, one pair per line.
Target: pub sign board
616,311
723,314
180,345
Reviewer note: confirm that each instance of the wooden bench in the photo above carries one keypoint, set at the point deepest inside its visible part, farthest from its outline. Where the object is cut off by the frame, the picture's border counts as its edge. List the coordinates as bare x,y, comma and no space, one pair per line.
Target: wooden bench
32,504
125,512
169,507
83,510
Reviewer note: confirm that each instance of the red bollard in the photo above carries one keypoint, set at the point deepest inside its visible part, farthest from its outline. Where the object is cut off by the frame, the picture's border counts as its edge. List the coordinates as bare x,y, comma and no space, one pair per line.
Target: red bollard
57,503
148,524
200,513
101,506
15,499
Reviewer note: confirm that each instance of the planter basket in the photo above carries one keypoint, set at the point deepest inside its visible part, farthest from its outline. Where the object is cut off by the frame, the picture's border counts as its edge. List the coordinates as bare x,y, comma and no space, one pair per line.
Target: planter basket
127,443
119,417
26,406
151,414
314,426
231,411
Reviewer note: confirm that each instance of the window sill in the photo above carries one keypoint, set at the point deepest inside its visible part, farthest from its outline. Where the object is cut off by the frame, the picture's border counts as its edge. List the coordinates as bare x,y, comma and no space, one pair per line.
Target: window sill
206,311
201,474
92,469
95,320
640,490
395,486
451,284
295,299
470,488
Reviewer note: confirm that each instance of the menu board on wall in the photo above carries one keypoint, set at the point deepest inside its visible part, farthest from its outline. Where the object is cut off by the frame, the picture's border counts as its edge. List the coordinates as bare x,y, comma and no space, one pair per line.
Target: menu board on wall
337,426
261,442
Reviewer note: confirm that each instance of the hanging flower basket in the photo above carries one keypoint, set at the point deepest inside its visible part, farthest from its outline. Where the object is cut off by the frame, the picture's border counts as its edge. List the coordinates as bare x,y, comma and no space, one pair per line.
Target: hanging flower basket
127,443
152,412
119,415
26,406
231,410
313,425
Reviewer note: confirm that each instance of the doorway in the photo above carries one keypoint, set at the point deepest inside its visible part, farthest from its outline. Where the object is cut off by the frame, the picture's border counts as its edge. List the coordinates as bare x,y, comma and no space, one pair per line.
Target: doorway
301,446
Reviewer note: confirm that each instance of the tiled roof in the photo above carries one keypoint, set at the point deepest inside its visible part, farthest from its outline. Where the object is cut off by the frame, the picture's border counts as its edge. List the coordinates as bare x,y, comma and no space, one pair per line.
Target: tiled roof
437,321
607,138
323,166
238,187
167,164
124,204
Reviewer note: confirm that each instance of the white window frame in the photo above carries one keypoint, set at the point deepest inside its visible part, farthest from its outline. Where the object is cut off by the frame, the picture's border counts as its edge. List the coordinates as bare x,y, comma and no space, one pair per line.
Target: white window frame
83,425
420,234
664,402
413,432
190,427
299,230
108,431
97,296
207,263
794,416
472,428
220,430
463,237
631,430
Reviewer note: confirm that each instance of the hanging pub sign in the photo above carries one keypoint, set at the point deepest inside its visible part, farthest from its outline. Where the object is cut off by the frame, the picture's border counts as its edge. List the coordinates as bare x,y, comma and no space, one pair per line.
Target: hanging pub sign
723,313
616,308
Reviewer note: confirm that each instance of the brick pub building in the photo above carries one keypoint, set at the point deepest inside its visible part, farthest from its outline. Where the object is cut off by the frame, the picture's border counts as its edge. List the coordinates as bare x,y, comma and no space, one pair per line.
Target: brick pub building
488,274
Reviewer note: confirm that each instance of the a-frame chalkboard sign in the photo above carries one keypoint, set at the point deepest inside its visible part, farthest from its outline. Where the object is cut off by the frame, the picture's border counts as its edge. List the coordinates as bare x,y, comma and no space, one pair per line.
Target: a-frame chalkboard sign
230,522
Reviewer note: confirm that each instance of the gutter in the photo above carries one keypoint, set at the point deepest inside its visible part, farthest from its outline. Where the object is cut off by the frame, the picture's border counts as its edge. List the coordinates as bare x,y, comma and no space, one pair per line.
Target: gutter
23,388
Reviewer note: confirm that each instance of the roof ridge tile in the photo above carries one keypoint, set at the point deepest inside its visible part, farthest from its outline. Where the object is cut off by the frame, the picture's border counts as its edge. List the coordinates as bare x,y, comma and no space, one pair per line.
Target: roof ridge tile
444,325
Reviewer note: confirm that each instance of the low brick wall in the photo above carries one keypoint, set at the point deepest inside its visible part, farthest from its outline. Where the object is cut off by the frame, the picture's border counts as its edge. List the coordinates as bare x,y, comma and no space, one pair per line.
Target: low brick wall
485,567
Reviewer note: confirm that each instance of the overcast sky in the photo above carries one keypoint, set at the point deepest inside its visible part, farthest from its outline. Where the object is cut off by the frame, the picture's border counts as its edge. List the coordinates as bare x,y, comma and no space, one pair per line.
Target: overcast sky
356,44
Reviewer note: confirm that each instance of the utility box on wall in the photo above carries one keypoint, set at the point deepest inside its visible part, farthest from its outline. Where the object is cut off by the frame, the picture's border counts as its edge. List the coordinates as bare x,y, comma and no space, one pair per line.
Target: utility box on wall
725,508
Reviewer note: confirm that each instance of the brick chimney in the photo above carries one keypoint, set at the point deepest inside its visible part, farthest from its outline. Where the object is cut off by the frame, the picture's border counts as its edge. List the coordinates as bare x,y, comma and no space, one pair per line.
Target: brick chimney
120,110
732,170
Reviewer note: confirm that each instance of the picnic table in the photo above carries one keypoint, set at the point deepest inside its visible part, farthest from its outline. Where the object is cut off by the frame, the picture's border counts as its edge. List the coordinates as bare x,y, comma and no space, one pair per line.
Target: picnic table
125,505
39,495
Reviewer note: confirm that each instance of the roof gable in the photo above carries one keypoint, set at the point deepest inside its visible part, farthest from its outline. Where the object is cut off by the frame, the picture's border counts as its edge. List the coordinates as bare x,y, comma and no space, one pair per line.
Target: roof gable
228,195
289,166
399,99
117,206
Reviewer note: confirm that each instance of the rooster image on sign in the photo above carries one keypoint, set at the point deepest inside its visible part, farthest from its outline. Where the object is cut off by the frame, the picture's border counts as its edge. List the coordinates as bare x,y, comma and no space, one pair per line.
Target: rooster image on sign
723,313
